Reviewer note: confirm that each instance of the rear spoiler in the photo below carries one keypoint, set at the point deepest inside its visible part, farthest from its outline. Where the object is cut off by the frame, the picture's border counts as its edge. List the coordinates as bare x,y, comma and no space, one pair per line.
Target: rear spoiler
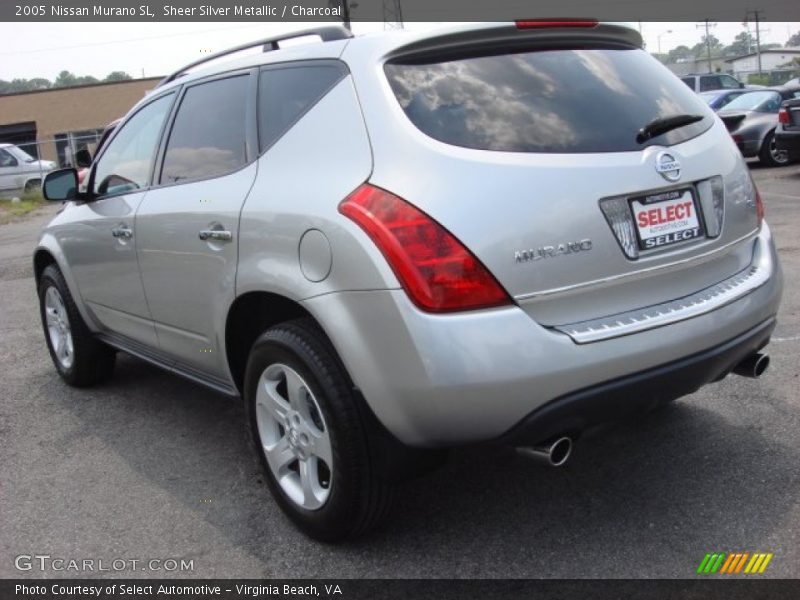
517,36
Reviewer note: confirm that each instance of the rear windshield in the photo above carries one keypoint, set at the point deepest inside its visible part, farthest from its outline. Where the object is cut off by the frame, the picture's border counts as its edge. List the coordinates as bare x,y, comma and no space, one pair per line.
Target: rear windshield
759,101
547,101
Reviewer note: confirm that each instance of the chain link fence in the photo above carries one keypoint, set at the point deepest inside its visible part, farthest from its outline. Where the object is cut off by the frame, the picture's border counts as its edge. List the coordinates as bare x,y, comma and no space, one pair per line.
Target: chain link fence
24,165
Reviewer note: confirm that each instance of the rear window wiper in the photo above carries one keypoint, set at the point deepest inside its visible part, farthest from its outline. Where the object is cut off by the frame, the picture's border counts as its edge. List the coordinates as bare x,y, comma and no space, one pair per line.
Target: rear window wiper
663,125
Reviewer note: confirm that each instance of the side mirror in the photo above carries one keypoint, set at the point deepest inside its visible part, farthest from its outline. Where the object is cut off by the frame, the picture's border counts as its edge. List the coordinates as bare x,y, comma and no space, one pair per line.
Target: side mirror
61,185
741,85
83,158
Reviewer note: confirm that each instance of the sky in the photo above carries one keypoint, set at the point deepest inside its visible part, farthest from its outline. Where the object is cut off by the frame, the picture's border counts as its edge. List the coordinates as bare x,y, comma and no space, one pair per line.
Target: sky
152,49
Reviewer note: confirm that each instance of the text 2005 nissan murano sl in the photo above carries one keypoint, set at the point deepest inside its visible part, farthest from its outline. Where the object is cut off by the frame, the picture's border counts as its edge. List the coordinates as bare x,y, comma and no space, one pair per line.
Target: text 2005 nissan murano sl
394,244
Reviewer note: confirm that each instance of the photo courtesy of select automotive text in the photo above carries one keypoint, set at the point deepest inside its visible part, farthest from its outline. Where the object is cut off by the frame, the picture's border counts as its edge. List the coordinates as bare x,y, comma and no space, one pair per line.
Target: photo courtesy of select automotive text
366,299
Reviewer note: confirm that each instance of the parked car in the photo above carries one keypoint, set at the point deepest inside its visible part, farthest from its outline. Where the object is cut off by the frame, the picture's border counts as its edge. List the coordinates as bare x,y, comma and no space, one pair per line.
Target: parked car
752,118
19,171
717,99
787,134
391,245
712,81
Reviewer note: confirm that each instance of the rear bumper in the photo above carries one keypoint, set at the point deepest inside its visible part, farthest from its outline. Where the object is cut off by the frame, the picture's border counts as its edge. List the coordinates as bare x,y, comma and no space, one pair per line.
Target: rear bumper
789,141
443,380
613,400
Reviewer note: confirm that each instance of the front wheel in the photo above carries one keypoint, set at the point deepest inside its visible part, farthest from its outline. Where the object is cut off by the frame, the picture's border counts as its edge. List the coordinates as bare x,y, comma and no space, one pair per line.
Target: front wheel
79,358
310,436
770,155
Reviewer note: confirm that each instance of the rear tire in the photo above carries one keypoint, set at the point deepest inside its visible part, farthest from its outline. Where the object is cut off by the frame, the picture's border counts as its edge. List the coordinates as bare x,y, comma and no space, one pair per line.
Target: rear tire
769,155
296,389
78,356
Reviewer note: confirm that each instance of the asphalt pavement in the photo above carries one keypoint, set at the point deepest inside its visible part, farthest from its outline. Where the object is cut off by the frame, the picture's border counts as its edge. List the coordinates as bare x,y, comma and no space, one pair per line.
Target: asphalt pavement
149,466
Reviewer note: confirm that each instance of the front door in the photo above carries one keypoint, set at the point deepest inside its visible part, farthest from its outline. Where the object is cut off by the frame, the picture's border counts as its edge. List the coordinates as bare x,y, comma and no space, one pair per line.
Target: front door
100,240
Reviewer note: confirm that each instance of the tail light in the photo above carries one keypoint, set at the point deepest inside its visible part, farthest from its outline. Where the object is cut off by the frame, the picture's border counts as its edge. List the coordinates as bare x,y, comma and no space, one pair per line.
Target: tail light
437,272
550,24
783,116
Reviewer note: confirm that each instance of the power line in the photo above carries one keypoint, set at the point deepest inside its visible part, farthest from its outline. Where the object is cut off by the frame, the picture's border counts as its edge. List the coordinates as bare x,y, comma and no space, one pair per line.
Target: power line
125,41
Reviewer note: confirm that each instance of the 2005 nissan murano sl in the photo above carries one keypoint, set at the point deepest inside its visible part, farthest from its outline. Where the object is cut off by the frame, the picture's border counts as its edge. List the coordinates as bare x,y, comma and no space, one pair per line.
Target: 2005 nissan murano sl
394,244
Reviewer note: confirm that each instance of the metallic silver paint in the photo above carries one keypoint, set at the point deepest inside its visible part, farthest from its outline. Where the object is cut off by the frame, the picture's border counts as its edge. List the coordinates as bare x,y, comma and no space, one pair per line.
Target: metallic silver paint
431,379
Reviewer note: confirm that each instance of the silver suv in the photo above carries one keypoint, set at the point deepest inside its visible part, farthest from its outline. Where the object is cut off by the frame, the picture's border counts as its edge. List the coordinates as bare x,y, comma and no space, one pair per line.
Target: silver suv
395,244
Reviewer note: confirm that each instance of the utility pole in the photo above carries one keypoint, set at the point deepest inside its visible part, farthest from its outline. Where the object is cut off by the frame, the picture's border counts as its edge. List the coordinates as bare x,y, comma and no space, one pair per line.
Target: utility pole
757,14
345,6
392,14
707,23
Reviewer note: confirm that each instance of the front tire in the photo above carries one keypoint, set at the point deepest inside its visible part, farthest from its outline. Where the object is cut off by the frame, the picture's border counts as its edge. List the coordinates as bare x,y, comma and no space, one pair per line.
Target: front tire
769,155
310,435
79,358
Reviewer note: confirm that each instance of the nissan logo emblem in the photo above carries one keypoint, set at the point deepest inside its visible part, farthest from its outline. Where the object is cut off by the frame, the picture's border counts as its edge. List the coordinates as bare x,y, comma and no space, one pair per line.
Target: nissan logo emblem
668,166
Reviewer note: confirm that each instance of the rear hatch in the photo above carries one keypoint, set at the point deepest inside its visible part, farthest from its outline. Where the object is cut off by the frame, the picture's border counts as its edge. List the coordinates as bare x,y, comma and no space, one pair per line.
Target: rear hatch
530,151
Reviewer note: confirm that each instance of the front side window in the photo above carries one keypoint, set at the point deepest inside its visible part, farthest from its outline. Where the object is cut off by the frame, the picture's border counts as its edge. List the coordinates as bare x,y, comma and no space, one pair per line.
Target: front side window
126,164
208,135
729,82
6,160
593,100
285,94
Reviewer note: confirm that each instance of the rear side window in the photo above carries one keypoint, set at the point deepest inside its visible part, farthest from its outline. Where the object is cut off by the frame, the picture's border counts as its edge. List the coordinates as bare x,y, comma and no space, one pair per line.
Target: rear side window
547,101
208,134
285,94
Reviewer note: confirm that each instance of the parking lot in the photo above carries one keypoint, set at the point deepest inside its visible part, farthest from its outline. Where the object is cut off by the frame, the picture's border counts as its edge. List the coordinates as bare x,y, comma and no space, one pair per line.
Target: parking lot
149,466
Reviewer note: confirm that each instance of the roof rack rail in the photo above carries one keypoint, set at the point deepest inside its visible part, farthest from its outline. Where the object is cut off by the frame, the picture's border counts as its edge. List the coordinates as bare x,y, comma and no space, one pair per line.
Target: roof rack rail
329,33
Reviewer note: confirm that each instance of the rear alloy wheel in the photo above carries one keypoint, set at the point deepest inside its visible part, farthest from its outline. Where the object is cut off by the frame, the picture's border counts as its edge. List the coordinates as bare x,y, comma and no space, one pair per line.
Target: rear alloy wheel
294,436
310,434
770,155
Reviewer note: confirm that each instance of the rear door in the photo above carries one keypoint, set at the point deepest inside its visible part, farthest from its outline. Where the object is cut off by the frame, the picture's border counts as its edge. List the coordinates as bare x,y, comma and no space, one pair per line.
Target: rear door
188,225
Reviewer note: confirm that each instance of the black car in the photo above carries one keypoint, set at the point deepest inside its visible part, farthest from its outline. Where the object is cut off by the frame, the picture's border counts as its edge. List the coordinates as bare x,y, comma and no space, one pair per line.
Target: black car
752,119
787,134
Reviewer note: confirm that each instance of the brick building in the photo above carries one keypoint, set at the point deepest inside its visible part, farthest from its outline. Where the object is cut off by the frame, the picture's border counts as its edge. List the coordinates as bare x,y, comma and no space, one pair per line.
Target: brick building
54,124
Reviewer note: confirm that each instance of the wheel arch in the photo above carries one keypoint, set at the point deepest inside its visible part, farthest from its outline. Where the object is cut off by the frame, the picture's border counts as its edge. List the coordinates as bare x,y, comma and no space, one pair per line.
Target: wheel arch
248,317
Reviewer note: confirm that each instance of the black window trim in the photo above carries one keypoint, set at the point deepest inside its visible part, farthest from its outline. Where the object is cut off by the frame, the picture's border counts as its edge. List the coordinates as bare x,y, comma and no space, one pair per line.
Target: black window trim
251,141
344,72
149,183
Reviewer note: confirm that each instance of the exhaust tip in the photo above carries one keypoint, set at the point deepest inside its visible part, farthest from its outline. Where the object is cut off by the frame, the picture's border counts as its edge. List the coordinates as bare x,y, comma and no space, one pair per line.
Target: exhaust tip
754,366
554,454
560,451
762,362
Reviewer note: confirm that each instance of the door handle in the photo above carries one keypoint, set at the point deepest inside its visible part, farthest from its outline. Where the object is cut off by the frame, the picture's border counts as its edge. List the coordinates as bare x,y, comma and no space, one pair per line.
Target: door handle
218,235
122,231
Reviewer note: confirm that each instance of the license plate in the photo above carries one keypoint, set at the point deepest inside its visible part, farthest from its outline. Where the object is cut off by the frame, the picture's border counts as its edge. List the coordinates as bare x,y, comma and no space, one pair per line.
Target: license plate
666,218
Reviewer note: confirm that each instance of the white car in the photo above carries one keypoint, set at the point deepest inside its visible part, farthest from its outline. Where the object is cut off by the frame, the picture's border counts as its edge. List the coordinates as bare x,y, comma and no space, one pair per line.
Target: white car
19,171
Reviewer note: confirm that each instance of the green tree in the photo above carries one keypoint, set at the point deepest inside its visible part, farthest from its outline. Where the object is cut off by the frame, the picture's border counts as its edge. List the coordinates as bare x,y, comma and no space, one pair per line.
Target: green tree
678,53
794,40
117,76
65,79
742,44
699,50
